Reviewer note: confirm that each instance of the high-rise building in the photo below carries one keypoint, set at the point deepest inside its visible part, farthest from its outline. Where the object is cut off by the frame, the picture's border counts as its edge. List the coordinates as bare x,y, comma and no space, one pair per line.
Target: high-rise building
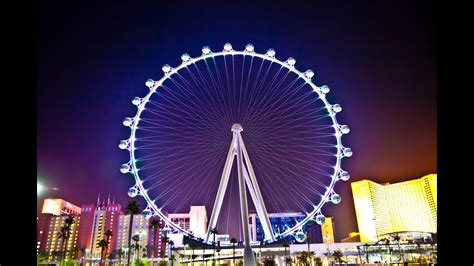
85,228
56,243
51,209
327,230
140,227
106,216
409,206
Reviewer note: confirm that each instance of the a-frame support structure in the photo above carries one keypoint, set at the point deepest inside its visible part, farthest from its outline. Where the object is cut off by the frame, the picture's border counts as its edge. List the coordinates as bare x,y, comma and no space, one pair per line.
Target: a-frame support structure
246,175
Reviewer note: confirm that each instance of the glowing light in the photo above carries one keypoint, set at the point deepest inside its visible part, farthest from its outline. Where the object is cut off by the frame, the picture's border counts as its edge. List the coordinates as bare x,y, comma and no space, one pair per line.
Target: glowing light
335,198
39,188
149,83
325,89
249,48
291,61
309,73
227,47
185,57
136,101
347,152
206,50
132,192
125,168
337,108
123,144
166,68
344,175
345,129
127,121
320,219
271,52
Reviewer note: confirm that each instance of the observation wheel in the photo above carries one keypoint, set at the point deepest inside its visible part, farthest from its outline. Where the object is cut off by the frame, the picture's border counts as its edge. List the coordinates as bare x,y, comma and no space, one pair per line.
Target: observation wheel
232,125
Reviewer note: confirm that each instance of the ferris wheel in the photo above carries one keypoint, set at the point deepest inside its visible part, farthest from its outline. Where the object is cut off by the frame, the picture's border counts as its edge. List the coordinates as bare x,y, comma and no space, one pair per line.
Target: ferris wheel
230,124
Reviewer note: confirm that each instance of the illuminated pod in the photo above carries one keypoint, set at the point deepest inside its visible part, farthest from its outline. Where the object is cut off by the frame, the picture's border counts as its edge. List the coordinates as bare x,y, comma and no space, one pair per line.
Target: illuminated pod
252,112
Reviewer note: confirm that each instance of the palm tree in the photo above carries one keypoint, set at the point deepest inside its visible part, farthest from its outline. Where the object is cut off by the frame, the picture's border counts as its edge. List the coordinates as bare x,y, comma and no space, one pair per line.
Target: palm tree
172,259
68,223
233,241
192,246
155,224
397,238
63,232
136,238
285,245
165,240
132,208
108,234
214,232
318,261
83,252
103,245
337,255
120,254
305,258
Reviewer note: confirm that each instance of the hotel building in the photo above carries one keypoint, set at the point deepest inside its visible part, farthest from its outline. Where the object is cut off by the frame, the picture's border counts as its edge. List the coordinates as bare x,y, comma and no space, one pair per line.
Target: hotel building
51,209
409,206
140,227
195,221
105,217
55,243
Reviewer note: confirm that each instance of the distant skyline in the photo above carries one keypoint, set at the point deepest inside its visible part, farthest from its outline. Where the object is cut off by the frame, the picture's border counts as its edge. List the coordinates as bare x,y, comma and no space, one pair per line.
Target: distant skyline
378,59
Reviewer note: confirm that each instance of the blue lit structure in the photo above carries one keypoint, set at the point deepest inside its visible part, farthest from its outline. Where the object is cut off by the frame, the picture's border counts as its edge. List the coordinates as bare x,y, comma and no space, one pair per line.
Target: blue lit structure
280,223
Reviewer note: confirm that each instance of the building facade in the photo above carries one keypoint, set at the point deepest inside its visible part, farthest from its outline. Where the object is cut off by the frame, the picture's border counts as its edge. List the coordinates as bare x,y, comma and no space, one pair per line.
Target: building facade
59,207
105,217
55,243
195,221
386,208
327,230
157,247
281,222
140,227
48,223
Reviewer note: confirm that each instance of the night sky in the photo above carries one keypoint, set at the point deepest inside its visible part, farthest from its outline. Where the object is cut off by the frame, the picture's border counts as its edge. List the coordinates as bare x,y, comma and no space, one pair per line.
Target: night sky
378,59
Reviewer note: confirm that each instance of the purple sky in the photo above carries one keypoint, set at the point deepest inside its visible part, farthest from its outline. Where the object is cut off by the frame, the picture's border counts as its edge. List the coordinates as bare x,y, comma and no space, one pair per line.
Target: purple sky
92,60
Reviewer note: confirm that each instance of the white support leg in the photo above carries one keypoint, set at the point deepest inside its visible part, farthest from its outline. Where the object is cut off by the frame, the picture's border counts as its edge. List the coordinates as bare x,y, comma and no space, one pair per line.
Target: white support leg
222,188
249,257
266,225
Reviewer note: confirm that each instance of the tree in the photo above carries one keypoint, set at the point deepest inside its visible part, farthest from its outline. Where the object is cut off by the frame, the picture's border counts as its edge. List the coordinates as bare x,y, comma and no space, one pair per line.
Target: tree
269,262
103,245
63,234
155,224
120,253
305,258
136,238
233,241
68,223
82,250
214,232
397,238
318,261
132,209
337,255
108,234
172,259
